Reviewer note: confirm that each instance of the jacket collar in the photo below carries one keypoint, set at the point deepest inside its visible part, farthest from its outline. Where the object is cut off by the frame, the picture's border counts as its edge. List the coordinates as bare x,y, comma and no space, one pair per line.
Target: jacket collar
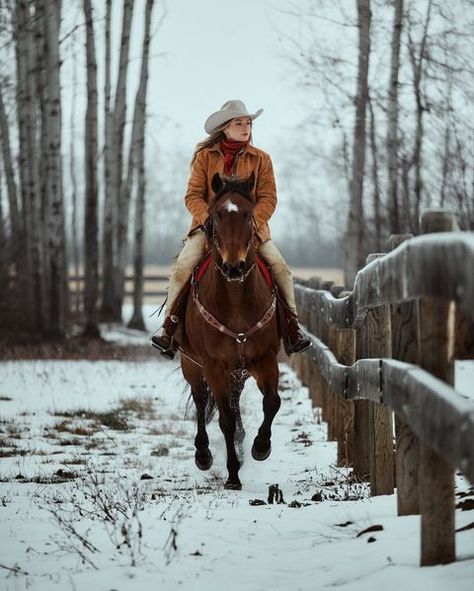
249,149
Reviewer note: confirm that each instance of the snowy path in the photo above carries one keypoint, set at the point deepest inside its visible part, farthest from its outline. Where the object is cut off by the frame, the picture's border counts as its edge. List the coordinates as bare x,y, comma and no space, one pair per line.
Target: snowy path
61,461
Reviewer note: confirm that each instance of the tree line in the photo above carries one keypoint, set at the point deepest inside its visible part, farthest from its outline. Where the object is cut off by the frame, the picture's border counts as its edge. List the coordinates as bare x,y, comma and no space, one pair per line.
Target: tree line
393,81
34,239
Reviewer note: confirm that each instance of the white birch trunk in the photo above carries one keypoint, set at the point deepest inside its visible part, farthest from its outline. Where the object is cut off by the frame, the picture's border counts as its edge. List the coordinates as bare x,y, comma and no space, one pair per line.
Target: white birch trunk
72,173
14,215
91,246
137,321
30,257
109,218
355,256
116,147
377,244
417,62
56,255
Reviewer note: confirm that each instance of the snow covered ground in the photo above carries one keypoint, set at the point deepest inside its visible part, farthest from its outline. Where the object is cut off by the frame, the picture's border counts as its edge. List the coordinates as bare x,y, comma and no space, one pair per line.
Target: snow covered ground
99,491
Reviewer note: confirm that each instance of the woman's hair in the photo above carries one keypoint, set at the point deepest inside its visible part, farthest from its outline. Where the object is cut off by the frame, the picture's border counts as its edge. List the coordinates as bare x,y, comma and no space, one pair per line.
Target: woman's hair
216,136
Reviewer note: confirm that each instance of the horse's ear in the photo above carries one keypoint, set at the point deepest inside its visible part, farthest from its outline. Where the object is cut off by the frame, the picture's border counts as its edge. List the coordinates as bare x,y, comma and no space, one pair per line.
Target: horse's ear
216,183
248,184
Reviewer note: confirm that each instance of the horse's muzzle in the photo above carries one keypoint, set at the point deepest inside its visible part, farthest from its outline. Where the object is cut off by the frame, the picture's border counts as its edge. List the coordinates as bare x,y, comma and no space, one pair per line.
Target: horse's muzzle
234,272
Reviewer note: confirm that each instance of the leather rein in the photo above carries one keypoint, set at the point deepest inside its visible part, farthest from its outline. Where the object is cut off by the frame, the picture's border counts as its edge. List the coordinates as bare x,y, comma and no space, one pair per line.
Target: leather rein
240,338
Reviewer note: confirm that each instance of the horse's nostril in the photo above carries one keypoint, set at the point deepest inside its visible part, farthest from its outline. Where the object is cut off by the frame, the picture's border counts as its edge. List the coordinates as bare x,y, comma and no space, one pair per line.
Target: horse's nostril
241,267
225,267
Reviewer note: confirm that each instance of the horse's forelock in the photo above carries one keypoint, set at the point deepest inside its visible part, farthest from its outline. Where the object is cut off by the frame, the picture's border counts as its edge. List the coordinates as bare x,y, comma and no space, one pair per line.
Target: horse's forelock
233,186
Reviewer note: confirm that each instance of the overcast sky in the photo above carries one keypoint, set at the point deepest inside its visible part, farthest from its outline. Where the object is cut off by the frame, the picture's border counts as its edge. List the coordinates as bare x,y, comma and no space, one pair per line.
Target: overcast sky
209,51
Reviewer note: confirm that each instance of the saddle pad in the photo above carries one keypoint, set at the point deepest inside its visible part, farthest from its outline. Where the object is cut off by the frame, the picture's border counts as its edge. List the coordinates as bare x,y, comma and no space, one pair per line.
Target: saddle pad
202,267
262,265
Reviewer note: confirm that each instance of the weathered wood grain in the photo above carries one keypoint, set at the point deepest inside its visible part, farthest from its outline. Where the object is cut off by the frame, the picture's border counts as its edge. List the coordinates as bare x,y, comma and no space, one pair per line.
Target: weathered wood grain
407,390
381,449
405,347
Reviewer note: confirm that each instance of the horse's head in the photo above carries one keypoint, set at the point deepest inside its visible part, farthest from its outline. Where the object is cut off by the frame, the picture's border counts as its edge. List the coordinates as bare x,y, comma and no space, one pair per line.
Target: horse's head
230,224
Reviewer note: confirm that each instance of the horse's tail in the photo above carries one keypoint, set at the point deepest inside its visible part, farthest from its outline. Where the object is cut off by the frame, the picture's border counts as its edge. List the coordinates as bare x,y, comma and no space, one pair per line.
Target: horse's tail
211,406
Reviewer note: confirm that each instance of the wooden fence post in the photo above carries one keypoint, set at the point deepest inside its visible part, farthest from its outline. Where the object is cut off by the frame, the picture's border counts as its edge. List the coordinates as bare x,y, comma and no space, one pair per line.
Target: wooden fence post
324,336
381,452
331,398
315,374
405,347
345,353
335,424
361,466
436,478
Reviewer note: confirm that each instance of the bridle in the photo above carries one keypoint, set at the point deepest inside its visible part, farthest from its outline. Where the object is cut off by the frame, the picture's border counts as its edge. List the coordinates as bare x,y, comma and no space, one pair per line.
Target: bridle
240,338
215,243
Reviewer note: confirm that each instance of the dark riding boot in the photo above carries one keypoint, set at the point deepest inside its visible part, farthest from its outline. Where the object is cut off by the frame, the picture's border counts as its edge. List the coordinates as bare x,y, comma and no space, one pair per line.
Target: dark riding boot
166,343
295,341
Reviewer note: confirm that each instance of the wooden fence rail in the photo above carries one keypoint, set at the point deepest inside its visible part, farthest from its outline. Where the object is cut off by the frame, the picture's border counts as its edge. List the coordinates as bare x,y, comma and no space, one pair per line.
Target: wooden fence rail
403,306
76,283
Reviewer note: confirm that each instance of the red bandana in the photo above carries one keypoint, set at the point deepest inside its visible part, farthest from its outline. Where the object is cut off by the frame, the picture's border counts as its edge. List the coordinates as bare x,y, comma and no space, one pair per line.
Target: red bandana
231,148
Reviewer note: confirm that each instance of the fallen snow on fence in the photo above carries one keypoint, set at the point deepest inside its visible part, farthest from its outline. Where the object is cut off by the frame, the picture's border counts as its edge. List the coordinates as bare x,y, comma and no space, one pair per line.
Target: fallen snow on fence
99,491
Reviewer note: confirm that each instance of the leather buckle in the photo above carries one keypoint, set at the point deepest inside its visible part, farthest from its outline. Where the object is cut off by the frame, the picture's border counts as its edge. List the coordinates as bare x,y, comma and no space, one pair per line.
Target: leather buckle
241,338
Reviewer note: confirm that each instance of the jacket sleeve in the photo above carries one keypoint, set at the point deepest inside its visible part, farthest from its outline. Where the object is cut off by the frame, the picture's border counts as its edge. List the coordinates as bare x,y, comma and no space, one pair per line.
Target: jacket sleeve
265,193
195,198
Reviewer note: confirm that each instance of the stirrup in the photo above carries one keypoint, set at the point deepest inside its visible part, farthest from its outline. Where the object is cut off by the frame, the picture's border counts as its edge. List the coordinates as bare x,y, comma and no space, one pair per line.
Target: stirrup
298,346
165,345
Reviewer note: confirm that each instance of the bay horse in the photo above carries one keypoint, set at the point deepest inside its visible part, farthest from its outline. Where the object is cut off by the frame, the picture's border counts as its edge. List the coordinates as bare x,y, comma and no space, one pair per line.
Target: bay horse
231,328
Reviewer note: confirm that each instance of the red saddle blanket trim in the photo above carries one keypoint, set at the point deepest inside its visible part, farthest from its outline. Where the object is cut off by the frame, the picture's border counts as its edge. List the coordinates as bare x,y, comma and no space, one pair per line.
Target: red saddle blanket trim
203,265
262,265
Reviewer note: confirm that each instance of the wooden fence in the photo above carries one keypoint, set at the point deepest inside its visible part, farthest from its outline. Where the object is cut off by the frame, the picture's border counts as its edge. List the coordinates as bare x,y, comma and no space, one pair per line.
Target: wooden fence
389,345
154,285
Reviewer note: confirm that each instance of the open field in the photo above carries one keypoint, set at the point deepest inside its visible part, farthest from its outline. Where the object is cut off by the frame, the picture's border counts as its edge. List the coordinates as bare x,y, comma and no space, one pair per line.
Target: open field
99,491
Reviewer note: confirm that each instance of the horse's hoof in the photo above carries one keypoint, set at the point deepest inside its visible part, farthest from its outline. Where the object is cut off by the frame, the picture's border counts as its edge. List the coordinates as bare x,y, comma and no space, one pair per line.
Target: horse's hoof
203,460
232,485
261,455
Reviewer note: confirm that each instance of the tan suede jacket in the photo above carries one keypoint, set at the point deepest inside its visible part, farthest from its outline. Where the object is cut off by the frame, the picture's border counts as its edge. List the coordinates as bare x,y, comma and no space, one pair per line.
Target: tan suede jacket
211,160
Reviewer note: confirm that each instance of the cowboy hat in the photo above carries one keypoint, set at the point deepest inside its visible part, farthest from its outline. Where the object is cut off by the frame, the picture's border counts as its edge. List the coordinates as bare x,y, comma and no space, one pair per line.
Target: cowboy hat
229,110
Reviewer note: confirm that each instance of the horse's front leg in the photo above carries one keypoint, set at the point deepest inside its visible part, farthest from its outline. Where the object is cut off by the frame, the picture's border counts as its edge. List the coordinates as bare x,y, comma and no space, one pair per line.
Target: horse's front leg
219,382
203,455
200,393
266,375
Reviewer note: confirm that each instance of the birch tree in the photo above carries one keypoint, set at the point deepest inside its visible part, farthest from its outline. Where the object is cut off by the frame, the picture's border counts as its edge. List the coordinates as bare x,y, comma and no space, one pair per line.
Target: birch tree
56,266
30,263
111,308
74,199
109,218
355,223
417,54
138,149
91,246
15,228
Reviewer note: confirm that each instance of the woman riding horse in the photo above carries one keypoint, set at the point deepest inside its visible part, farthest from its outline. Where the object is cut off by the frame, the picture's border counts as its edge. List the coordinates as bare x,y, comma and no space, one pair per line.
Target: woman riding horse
229,151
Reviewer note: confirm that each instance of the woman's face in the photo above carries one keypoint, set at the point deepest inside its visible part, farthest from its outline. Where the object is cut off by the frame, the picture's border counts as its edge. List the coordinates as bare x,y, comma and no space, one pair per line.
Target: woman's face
239,129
